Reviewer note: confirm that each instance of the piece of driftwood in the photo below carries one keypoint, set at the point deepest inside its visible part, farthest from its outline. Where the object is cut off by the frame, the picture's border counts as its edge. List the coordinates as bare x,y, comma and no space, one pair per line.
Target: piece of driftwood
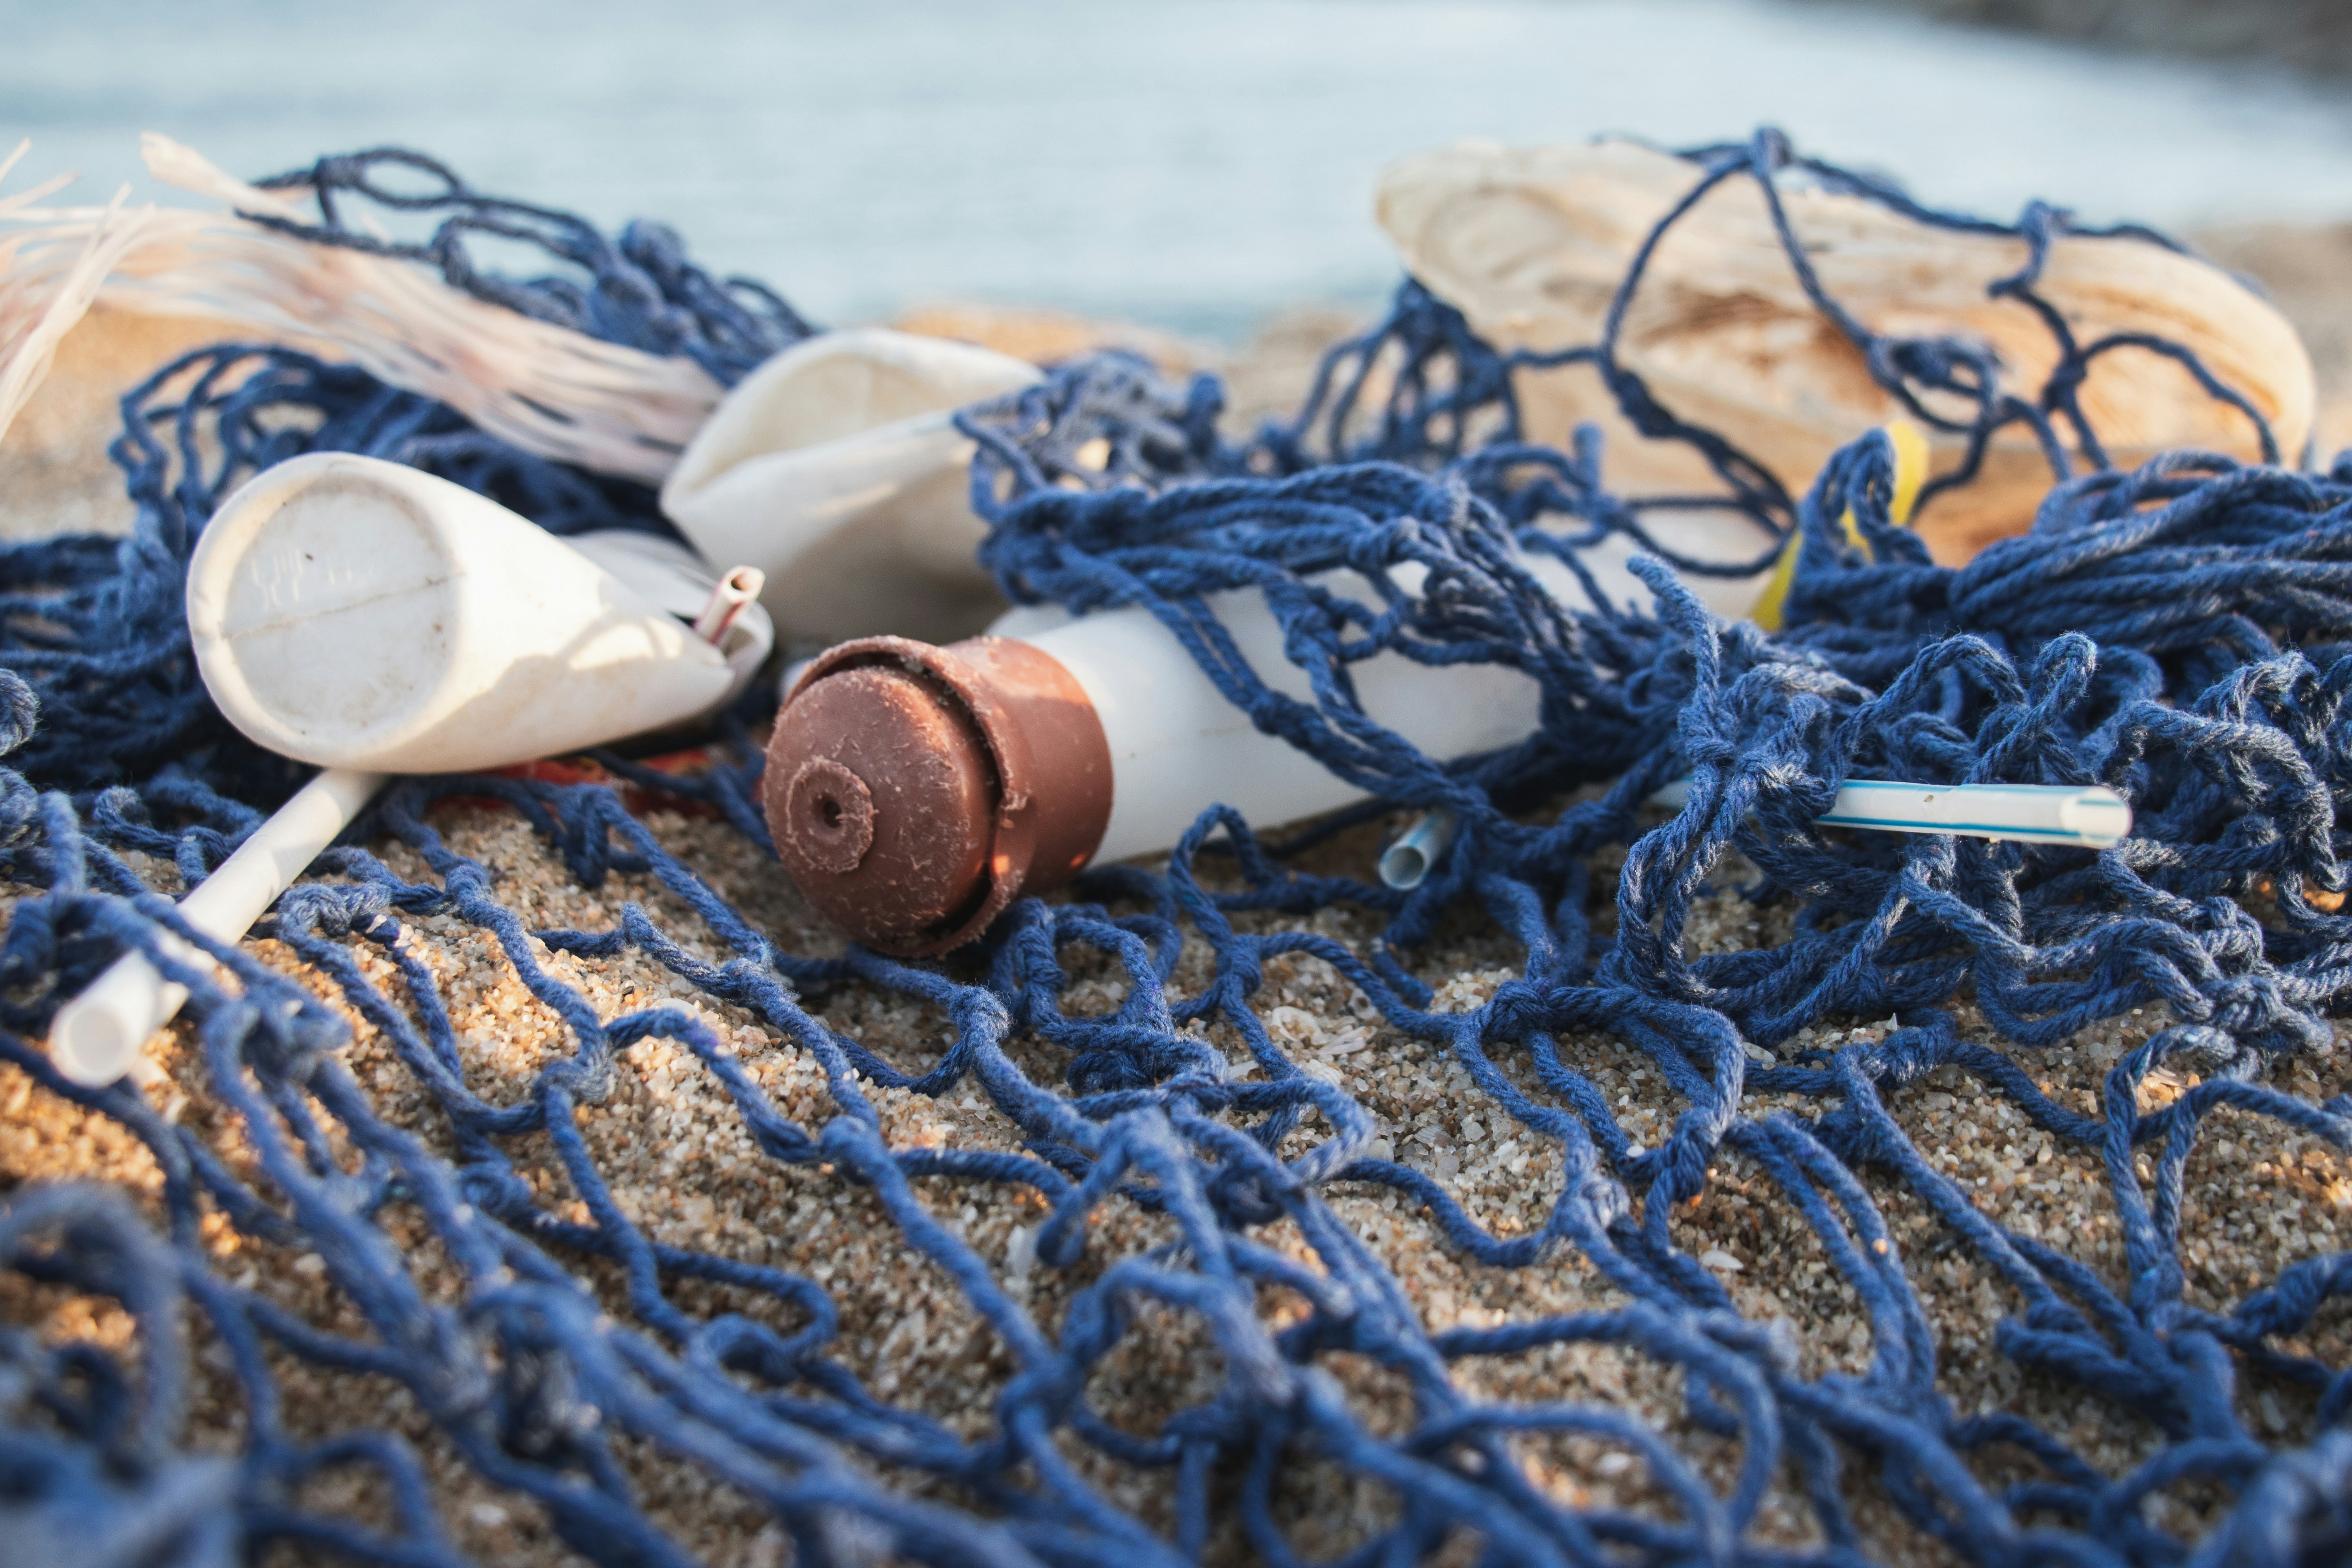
1530,243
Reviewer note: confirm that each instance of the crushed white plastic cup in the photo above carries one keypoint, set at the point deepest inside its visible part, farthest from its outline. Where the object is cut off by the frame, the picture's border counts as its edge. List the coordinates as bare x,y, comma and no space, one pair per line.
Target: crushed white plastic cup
837,470
373,619
356,613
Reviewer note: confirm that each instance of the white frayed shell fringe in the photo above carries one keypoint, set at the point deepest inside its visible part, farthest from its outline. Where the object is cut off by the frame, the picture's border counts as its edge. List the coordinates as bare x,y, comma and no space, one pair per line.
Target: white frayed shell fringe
550,391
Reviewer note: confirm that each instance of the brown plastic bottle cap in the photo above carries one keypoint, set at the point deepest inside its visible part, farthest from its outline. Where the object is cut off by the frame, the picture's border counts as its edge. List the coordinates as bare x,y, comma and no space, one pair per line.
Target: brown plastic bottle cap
913,792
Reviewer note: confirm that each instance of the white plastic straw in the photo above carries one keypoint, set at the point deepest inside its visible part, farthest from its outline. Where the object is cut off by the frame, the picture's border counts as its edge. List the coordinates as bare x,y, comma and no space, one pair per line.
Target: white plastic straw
99,1033
2089,816
728,596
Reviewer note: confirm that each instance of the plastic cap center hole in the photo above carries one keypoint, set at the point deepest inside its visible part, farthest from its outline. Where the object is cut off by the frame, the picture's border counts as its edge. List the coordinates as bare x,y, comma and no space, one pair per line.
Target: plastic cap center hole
829,825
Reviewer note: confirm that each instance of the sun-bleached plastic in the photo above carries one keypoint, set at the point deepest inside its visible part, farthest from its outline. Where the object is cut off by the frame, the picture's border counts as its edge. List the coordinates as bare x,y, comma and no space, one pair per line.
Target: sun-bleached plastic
2088,816
1177,744
356,613
836,469
97,1035
374,619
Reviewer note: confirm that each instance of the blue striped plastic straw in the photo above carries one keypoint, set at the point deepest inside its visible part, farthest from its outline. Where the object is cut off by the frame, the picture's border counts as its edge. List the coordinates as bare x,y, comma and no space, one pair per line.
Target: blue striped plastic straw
2088,816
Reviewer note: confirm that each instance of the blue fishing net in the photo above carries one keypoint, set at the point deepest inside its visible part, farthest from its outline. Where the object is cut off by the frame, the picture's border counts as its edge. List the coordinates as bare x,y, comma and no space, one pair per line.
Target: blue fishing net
2174,632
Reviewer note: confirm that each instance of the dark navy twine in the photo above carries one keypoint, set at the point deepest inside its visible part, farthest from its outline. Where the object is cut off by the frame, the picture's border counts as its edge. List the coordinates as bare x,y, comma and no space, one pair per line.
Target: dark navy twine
2175,633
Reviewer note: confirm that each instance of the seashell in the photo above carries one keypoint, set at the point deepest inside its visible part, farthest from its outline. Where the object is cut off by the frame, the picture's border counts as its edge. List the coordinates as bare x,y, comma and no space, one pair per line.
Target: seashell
836,468
1530,243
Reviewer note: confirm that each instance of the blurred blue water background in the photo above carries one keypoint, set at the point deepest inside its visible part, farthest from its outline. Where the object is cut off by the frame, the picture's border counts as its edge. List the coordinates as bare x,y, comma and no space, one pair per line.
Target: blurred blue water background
1194,164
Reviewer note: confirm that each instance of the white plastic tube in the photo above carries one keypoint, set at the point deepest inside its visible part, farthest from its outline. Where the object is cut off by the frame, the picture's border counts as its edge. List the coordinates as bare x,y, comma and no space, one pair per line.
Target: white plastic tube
98,1035
1177,744
1404,864
666,574
2086,817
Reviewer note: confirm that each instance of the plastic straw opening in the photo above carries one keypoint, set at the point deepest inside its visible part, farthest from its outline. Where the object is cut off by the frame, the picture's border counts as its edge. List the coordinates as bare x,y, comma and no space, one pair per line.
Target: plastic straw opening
738,588
1405,864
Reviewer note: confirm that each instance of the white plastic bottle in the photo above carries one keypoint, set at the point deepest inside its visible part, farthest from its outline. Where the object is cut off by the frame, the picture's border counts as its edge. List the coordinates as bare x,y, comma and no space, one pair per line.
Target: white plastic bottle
914,790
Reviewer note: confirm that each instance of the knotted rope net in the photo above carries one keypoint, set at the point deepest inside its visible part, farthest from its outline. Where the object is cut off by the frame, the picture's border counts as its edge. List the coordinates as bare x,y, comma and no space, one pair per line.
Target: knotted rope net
2174,632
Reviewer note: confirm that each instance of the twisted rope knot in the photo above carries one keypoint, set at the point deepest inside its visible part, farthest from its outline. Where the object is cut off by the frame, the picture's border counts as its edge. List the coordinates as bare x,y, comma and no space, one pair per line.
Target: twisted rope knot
282,1033
497,1189
320,908
2256,1005
1243,1197
20,710
1598,1200
1518,1008
1678,1170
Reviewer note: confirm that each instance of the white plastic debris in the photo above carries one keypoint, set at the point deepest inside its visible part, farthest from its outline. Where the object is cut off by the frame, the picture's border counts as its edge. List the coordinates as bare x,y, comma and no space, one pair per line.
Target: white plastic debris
1405,864
356,613
2090,817
1176,742
836,469
374,619
668,574
2086,817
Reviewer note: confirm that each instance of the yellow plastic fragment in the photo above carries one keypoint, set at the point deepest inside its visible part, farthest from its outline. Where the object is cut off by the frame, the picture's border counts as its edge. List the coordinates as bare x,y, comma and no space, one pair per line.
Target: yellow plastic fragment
1910,473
